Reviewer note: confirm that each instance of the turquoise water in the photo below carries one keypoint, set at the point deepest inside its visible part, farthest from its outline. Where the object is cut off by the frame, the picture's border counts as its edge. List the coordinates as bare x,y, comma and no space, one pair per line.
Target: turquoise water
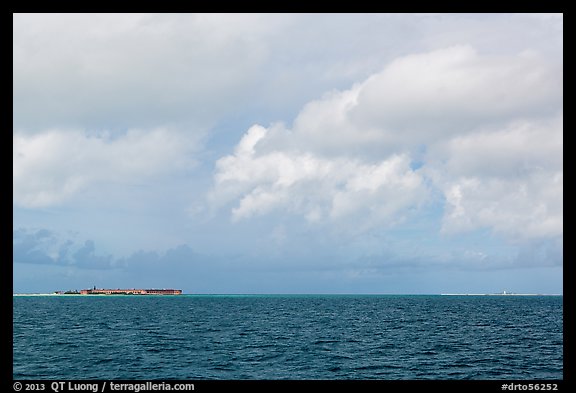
287,337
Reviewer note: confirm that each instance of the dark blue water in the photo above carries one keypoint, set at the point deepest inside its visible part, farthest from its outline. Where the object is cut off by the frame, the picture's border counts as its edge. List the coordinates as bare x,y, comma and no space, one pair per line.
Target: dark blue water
287,337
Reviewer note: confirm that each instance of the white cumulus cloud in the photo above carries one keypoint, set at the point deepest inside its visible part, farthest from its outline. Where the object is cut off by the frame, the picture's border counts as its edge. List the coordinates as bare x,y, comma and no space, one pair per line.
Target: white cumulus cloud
483,130
509,179
52,166
316,187
450,91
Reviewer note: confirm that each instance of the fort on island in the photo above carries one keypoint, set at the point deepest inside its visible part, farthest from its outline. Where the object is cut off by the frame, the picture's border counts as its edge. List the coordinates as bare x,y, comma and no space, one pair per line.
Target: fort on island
131,291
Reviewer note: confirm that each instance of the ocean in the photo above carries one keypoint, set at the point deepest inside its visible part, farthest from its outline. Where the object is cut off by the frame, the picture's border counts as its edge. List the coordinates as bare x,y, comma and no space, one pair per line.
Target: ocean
295,337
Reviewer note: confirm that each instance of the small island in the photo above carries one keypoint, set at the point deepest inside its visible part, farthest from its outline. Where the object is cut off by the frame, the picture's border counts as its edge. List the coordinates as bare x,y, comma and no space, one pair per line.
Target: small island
118,291
503,293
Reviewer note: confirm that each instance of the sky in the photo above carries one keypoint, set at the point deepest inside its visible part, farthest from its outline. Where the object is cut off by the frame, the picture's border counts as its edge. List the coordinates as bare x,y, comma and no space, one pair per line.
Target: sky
288,153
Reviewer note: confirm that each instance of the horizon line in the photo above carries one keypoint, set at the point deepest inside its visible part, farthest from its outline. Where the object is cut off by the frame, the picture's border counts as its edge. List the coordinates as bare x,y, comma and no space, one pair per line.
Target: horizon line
323,294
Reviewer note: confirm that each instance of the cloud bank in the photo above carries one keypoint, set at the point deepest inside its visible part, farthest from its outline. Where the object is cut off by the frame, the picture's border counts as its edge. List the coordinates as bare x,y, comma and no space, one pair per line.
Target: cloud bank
485,131
52,166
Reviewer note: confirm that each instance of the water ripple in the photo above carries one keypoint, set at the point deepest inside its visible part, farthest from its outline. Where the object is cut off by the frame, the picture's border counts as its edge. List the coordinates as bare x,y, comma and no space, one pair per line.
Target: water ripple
288,337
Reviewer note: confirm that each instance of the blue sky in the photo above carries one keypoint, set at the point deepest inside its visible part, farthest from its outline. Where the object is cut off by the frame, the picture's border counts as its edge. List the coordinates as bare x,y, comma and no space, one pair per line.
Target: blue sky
288,153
